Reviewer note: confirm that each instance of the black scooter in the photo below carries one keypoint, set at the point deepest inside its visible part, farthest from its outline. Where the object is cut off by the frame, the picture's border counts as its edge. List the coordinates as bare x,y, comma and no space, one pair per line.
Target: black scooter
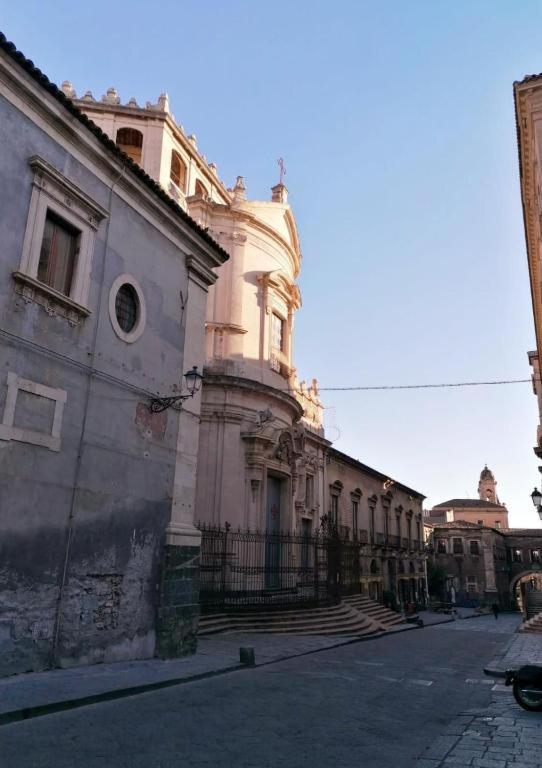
527,686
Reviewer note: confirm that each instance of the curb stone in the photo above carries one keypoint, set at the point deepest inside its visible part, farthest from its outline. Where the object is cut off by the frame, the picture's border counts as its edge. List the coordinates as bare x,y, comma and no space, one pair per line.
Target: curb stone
40,710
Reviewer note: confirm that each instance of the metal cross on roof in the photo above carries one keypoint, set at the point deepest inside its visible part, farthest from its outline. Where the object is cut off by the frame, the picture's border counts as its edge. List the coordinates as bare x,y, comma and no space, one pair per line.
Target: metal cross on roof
280,163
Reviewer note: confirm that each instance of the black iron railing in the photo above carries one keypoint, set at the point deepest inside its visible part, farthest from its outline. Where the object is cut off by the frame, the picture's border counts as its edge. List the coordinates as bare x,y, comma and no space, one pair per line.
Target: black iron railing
265,570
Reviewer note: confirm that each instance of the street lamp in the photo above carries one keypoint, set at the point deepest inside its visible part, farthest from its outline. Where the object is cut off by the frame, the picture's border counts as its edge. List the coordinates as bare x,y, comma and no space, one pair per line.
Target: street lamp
536,496
193,379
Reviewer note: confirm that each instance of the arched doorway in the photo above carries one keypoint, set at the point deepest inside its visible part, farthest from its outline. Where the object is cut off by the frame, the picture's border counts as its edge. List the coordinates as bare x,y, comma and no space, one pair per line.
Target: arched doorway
526,588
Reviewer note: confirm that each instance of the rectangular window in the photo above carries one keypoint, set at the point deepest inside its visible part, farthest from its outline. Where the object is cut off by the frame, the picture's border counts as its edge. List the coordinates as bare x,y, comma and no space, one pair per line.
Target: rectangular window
441,547
372,524
497,523
58,254
535,555
309,491
474,547
334,509
457,546
480,522
355,507
516,555
277,333
472,586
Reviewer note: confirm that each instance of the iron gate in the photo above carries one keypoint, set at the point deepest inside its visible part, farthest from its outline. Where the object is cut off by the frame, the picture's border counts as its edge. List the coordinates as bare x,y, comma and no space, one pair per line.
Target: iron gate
254,569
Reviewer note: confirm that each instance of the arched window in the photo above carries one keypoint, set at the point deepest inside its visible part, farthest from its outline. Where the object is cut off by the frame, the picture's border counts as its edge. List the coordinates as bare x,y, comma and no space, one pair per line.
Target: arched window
131,142
201,189
177,173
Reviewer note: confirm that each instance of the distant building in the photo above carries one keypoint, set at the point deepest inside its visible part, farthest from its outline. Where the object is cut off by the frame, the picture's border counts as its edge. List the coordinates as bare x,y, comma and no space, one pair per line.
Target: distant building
486,510
484,565
386,518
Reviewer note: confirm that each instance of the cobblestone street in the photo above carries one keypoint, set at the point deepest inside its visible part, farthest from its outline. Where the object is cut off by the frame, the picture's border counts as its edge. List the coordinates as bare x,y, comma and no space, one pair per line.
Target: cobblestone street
502,735
381,703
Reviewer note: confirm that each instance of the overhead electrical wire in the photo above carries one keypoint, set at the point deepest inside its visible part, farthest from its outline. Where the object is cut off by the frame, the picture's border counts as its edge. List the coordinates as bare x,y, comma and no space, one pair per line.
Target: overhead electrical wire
424,386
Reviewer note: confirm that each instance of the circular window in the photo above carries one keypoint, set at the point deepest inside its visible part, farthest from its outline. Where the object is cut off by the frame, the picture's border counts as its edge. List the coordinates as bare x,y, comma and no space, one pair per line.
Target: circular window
127,308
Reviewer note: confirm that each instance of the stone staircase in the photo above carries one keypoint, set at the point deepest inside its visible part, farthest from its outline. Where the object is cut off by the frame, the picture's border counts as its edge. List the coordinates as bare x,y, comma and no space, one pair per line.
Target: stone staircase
533,624
534,603
346,619
376,611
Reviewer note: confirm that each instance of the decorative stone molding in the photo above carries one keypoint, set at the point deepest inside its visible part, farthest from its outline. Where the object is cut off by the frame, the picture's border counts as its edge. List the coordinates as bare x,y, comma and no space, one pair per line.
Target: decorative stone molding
51,191
54,303
10,431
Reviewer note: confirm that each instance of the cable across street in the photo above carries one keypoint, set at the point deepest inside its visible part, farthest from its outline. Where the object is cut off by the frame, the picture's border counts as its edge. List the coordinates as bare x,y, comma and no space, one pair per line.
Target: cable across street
425,386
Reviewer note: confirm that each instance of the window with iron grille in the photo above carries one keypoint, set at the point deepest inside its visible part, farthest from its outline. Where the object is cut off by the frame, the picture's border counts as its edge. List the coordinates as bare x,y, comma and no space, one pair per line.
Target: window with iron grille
441,547
126,307
58,254
277,341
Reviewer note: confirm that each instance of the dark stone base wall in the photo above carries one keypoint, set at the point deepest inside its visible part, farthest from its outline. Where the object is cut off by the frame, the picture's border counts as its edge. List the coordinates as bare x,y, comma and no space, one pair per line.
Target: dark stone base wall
178,606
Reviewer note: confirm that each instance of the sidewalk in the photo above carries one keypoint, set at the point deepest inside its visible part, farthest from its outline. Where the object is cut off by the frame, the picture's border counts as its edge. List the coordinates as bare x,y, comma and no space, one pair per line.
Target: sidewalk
502,736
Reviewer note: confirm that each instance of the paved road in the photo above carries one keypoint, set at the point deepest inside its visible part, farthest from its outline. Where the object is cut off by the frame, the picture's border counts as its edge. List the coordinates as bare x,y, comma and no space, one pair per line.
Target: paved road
378,703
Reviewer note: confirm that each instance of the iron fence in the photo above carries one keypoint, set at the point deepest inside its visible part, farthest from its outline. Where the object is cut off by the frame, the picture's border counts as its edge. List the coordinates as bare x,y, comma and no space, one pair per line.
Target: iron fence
265,570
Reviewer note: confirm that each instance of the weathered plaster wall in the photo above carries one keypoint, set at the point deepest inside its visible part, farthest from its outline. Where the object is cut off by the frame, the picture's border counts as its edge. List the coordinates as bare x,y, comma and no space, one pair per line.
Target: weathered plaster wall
82,529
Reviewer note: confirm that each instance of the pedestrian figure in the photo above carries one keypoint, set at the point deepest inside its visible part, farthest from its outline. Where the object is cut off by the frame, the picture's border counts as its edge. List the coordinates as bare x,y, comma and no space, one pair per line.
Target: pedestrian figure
495,609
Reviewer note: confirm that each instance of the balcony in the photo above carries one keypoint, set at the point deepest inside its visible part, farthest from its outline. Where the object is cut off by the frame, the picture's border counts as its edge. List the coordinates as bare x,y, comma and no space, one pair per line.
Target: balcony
380,539
393,541
361,536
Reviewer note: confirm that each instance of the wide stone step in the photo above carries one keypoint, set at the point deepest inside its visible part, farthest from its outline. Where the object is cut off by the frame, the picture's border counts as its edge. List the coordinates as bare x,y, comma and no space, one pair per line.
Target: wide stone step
341,619
301,626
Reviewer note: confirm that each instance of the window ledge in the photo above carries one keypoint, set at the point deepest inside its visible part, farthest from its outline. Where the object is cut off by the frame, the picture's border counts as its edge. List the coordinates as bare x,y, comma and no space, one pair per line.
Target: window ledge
54,302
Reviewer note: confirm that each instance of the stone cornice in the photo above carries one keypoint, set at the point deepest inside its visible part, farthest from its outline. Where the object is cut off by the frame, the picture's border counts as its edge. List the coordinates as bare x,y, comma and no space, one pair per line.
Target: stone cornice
249,218
225,381
344,458
523,94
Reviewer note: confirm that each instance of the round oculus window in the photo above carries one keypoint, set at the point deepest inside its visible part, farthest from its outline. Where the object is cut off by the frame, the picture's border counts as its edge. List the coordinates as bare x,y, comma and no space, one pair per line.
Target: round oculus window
127,307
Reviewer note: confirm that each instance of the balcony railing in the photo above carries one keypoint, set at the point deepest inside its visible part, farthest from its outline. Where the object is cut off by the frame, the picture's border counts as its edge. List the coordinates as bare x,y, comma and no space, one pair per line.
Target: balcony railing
404,543
361,536
393,541
380,539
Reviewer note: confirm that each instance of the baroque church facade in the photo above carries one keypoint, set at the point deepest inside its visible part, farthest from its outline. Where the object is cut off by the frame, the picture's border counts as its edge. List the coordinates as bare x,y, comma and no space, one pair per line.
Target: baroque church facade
263,461
263,457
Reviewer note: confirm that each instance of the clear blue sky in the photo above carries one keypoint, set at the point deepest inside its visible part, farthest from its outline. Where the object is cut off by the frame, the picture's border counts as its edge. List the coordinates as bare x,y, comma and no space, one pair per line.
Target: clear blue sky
396,122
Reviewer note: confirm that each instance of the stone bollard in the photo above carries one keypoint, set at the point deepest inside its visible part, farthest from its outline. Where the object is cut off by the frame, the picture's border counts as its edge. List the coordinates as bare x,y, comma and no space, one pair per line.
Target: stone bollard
246,657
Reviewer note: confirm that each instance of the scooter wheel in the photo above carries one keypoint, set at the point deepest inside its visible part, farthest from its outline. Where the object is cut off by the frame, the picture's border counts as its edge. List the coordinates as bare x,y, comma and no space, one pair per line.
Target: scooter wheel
528,697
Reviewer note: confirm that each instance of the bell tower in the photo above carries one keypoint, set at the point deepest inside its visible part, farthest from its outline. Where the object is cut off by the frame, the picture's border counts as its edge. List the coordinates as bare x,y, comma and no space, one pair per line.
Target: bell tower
487,487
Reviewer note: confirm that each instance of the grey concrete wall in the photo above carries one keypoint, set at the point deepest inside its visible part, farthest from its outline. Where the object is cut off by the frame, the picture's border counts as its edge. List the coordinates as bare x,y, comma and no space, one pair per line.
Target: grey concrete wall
81,530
